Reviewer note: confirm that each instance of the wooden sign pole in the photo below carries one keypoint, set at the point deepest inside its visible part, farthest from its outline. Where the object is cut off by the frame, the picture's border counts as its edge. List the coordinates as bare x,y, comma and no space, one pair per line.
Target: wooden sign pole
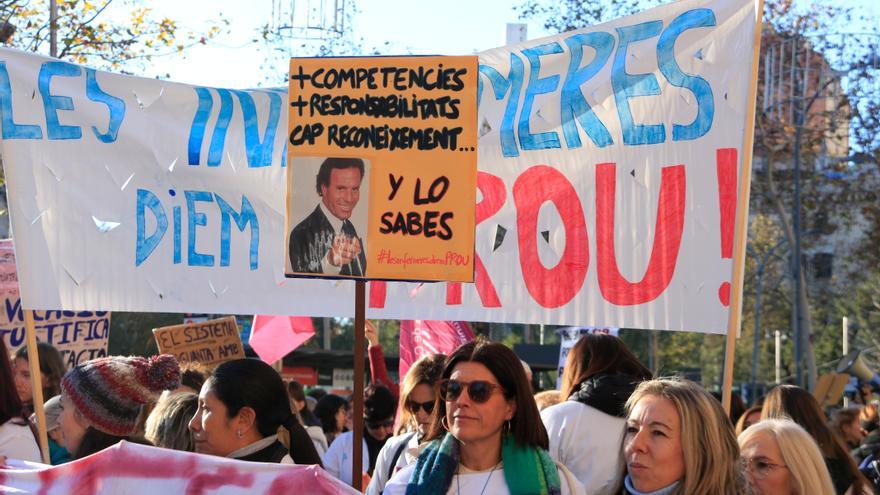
357,410
36,382
742,219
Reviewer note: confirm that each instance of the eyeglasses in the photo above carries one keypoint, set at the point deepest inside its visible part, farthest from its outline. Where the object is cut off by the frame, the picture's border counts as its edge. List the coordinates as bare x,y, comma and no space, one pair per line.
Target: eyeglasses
478,390
759,467
375,425
413,406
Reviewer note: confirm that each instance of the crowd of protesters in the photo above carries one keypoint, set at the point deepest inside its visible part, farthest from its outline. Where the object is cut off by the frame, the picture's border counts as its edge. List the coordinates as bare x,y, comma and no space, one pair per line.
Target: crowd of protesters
466,423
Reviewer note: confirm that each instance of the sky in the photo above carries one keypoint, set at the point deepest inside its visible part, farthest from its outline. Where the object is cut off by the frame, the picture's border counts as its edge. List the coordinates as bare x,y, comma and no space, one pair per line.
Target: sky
451,27
393,27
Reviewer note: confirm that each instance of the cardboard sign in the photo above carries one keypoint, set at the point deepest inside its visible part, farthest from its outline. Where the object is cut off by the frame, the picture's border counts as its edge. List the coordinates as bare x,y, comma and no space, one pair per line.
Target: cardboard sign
78,335
211,342
382,168
610,166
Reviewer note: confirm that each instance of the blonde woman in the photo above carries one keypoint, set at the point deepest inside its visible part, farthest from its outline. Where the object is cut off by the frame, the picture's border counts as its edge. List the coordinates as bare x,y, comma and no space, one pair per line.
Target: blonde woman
678,441
417,398
781,458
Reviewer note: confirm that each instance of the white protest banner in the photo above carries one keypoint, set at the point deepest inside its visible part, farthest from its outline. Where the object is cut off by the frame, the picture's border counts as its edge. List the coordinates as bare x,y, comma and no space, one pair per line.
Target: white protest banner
568,337
135,469
610,165
78,335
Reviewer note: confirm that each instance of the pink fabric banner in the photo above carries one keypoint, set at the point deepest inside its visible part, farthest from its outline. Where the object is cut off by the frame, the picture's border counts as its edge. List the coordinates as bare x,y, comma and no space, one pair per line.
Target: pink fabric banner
273,337
143,470
422,337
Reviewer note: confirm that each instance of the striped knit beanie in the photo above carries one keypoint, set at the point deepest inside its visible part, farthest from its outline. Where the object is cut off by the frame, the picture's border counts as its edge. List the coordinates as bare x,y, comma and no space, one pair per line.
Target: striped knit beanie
110,391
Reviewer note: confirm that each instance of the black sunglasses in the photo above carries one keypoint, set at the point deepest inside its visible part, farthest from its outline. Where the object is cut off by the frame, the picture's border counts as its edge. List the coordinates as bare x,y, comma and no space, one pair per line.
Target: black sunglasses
375,425
478,390
413,406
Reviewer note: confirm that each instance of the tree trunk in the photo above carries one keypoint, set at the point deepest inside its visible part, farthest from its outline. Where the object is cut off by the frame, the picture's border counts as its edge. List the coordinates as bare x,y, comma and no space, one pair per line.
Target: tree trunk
806,321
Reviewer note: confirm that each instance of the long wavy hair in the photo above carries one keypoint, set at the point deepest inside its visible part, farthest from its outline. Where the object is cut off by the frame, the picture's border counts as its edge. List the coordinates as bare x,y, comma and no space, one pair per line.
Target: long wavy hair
599,353
703,424
795,403
803,459
425,371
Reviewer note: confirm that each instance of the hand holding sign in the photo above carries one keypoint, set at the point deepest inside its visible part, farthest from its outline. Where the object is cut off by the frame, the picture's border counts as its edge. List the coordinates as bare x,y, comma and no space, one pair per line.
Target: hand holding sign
344,250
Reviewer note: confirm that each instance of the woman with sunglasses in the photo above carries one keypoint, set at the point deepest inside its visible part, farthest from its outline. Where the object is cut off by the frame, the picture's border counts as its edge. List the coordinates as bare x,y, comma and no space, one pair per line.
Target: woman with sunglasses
781,458
486,435
417,399
379,407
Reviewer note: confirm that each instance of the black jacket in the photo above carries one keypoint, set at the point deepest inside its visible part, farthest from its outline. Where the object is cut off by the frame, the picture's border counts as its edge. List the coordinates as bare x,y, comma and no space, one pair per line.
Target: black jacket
607,393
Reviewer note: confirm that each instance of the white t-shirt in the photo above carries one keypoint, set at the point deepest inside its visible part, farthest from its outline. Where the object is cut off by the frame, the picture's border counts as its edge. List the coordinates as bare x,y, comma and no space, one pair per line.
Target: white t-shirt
17,442
469,482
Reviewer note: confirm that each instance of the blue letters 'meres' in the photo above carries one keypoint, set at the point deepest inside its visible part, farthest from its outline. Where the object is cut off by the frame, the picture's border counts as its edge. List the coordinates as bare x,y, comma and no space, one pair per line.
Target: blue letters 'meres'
696,84
53,103
537,85
510,87
627,86
574,105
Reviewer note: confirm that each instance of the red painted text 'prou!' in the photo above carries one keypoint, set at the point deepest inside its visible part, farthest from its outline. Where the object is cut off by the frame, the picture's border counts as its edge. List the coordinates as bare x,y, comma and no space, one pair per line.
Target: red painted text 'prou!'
556,286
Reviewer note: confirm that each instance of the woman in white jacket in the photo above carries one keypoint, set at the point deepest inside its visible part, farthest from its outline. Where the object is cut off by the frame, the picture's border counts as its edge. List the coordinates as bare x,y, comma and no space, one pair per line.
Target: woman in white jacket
586,429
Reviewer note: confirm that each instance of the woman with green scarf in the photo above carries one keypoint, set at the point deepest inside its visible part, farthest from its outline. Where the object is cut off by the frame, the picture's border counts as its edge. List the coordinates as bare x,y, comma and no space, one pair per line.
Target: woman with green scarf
486,435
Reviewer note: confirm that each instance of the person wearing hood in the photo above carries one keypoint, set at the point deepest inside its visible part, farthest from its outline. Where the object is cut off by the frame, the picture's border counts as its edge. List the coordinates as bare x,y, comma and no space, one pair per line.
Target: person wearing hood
600,375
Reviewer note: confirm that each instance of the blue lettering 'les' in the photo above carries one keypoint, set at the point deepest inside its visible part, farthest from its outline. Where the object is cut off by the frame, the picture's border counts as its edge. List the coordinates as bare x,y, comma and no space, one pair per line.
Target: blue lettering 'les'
574,105
115,105
52,103
247,216
146,244
197,129
510,86
195,219
259,152
537,86
628,86
696,84
11,130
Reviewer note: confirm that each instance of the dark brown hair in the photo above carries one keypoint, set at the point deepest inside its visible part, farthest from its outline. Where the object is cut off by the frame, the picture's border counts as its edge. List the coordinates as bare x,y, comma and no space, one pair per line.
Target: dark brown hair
328,165
51,366
10,403
598,353
795,403
526,425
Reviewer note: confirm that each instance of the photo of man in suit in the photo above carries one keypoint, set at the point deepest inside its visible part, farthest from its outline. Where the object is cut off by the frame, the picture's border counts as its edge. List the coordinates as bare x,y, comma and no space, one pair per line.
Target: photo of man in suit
326,241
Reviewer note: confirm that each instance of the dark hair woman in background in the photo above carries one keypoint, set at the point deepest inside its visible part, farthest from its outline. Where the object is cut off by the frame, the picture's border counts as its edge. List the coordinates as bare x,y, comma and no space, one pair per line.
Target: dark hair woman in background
332,411
16,438
795,403
243,407
52,369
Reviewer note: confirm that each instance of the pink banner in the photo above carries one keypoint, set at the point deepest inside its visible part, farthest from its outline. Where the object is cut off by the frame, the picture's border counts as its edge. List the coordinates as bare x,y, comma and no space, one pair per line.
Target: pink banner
273,337
423,337
141,470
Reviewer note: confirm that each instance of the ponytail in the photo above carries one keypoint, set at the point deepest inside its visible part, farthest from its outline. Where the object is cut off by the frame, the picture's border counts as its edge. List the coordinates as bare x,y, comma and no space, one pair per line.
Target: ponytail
299,444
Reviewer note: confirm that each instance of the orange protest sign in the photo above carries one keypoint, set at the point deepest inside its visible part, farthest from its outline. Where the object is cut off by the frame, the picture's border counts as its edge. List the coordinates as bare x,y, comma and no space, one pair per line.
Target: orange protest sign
382,168
211,342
